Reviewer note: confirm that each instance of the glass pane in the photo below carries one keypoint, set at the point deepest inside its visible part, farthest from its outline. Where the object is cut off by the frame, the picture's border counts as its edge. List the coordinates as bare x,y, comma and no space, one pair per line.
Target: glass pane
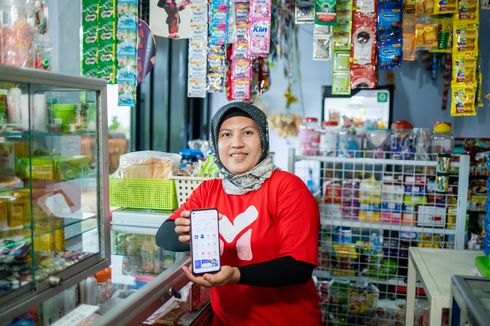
119,126
15,235
48,181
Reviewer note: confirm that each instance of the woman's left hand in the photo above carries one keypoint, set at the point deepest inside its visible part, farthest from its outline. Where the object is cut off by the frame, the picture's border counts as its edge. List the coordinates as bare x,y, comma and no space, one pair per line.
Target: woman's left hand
226,275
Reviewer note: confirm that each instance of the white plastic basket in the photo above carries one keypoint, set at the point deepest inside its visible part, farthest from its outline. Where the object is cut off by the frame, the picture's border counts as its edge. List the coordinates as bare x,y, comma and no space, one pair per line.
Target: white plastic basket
184,186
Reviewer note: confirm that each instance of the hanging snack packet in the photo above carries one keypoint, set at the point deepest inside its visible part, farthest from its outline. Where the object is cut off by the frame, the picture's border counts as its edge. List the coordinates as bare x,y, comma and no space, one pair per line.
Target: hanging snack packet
259,36
341,61
260,8
341,83
468,10
389,23
322,43
363,76
426,35
408,36
389,55
304,12
444,7
325,12
464,67
363,41
463,99
465,36
424,7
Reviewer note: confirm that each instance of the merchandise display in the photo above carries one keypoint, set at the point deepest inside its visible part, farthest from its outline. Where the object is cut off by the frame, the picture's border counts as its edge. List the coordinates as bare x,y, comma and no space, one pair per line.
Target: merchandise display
374,206
51,188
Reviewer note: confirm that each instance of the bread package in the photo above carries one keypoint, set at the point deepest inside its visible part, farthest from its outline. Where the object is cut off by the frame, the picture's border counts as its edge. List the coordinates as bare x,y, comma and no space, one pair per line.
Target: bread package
147,165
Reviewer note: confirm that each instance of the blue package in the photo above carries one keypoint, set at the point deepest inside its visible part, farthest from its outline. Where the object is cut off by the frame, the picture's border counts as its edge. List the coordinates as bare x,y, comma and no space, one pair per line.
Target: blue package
389,23
389,55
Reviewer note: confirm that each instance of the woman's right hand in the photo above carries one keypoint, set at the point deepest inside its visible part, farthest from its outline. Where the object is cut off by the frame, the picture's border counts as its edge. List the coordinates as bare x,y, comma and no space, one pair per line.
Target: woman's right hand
183,226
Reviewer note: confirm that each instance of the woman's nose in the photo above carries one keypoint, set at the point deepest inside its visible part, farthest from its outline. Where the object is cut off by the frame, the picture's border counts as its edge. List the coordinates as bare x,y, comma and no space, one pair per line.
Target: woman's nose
237,141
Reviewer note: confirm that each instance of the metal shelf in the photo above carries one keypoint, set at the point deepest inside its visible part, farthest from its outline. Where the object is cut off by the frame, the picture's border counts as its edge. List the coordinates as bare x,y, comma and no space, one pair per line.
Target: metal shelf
385,226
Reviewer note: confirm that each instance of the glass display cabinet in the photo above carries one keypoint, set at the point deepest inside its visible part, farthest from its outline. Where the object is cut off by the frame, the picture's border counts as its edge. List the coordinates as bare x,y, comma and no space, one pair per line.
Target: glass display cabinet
54,211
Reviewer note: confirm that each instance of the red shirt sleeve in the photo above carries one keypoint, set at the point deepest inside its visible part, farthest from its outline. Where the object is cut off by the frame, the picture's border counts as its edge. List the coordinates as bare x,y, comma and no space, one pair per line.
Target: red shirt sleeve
298,220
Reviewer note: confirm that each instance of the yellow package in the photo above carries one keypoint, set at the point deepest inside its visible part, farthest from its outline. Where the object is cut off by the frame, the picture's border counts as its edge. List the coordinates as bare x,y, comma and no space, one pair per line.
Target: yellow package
464,67
479,77
444,7
463,99
465,36
424,7
468,10
426,35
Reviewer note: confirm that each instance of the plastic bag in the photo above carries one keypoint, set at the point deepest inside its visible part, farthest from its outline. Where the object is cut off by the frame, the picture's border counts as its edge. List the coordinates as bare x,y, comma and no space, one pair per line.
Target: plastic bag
147,165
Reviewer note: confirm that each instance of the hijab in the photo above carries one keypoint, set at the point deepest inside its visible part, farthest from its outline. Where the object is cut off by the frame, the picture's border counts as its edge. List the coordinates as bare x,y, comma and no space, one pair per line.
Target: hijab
239,184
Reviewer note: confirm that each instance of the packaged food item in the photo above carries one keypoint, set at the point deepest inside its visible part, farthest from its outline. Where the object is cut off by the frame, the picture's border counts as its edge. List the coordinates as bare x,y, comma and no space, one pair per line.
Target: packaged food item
431,216
309,136
329,138
363,298
326,12
304,12
348,142
350,199
443,163
322,42
442,183
422,143
463,99
147,165
401,140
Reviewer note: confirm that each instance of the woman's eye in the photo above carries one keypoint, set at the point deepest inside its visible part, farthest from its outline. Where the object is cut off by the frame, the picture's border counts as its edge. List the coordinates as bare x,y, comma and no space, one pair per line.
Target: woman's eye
249,132
225,134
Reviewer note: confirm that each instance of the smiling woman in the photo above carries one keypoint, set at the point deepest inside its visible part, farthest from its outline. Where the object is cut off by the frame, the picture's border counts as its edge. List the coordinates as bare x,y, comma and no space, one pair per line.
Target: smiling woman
268,228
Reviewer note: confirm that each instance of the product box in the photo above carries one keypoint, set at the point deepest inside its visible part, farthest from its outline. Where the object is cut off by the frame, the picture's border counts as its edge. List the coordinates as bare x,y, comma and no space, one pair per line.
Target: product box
392,193
370,191
332,192
370,212
414,200
415,190
391,212
409,215
418,180
431,216
332,211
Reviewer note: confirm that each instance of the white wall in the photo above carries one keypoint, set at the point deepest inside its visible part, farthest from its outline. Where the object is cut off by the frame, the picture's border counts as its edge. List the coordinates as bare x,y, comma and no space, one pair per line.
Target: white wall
416,97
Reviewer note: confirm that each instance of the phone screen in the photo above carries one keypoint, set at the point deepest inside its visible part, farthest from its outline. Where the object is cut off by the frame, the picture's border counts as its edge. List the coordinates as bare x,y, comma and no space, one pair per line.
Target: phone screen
205,241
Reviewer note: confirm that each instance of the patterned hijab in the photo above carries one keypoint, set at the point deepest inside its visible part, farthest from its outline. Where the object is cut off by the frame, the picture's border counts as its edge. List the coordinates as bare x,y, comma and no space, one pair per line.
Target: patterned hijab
239,184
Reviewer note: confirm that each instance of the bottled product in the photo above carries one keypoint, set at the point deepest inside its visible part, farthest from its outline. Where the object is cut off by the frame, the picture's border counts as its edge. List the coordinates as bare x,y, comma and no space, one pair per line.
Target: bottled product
90,288
422,138
442,140
401,140
348,142
329,138
309,136
101,278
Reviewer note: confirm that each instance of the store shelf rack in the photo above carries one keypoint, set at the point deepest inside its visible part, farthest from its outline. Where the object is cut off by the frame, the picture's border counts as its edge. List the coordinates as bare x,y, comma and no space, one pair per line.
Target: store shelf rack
373,207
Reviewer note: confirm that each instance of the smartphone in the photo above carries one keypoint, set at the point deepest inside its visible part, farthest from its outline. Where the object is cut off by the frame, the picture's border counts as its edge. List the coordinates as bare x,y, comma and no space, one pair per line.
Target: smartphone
205,241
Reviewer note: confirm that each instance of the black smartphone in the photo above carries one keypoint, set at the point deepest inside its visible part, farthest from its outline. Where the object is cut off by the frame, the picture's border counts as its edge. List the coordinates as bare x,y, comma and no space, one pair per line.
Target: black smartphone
205,241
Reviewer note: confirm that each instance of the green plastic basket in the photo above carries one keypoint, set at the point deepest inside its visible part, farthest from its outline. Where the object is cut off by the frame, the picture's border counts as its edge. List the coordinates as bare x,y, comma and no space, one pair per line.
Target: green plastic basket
142,193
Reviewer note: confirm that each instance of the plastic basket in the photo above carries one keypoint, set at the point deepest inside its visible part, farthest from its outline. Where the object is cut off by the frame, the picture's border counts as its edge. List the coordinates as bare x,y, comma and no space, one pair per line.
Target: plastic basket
143,193
185,186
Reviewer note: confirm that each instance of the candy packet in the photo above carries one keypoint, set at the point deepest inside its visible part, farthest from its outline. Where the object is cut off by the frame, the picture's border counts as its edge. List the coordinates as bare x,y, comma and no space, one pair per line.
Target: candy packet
463,99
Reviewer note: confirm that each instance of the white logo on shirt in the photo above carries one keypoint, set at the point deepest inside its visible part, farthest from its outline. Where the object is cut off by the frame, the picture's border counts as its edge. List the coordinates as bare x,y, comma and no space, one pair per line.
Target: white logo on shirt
229,231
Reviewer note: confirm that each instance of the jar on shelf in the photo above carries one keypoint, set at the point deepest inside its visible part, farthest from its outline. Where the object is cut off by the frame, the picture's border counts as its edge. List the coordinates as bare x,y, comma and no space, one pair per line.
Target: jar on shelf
348,142
402,143
442,140
16,33
377,141
329,138
422,138
309,136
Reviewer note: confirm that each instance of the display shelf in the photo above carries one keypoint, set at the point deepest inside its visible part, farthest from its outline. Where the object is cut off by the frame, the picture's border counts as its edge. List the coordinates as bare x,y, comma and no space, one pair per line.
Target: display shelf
54,225
147,218
390,281
372,210
384,226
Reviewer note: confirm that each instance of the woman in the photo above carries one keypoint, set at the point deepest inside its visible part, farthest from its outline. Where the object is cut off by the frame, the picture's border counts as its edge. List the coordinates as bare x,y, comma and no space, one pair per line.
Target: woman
269,225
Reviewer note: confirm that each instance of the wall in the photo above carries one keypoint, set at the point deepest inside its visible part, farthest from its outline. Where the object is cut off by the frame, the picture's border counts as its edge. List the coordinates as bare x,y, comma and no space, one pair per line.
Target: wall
416,97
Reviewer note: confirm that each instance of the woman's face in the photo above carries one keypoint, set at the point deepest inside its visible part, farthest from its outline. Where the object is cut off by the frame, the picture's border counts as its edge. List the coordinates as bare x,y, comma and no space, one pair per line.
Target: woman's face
239,145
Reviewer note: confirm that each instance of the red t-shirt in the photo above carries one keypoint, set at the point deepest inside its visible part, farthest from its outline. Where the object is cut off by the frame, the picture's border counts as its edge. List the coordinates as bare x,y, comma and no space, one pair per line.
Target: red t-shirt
279,219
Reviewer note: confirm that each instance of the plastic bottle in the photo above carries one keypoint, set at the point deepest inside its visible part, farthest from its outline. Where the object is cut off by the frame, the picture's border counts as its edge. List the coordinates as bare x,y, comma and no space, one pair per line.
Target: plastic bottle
101,278
108,272
442,140
329,138
309,136
90,288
